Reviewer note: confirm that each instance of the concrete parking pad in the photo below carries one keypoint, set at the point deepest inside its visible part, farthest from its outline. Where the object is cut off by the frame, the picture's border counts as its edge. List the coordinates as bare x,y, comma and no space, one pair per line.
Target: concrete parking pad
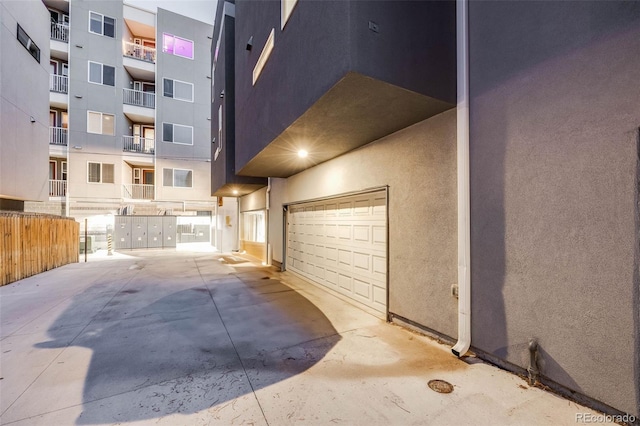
178,337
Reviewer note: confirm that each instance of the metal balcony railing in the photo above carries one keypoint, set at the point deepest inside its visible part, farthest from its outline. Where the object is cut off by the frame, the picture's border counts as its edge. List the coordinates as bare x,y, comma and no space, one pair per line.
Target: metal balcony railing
138,144
59,83
139,98
57,136
137,51
57,188
137,191
60,32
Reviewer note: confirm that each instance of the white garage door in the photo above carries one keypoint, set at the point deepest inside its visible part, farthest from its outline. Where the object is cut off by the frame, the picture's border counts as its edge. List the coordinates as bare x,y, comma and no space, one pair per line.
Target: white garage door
341,244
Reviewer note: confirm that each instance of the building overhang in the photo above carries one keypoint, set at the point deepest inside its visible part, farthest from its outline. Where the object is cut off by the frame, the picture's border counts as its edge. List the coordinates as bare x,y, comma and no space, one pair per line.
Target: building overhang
139,114
138,69
354,112
236,189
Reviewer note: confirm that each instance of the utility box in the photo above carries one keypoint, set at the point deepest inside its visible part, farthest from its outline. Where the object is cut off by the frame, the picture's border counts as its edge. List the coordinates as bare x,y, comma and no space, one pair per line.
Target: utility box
141,232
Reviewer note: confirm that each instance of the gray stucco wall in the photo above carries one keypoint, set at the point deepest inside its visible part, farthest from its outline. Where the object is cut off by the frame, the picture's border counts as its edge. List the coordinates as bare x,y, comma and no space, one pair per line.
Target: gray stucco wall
24,93
554,154
418,164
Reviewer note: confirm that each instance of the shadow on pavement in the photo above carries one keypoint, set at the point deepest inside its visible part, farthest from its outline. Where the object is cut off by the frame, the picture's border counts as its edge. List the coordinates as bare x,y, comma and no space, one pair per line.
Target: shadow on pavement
190,350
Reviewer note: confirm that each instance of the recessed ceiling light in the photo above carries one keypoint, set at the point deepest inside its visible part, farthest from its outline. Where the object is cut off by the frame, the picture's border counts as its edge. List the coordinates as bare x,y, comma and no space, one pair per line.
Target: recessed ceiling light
302,153
235,192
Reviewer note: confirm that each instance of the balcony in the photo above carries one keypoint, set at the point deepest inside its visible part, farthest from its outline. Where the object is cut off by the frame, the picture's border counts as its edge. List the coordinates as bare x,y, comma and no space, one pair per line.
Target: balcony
139,106
139,98
60,32
137,191
57,188
138,144
58,136
137,51
59,83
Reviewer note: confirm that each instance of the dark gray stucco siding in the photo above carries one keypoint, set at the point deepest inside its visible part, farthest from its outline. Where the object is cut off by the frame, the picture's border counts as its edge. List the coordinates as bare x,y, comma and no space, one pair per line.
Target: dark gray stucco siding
554,156
307,48
414,46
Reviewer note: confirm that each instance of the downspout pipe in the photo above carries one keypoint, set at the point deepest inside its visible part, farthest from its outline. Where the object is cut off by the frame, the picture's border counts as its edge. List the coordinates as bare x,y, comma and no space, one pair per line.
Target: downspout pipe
464,205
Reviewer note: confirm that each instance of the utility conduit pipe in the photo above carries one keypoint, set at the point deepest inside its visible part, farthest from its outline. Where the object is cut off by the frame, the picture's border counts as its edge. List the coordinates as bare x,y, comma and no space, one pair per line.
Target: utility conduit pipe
464,213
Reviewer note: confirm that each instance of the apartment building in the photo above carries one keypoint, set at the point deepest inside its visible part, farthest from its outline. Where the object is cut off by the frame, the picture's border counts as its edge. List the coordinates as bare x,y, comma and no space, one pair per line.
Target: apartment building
129,121
24,76
469,169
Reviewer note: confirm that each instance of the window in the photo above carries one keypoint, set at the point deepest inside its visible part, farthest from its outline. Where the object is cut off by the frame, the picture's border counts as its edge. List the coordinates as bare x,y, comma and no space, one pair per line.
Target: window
102,74
100,172
103,25
177,46
178,178
179,90
28,44
264,55
100,123
177,133
286,7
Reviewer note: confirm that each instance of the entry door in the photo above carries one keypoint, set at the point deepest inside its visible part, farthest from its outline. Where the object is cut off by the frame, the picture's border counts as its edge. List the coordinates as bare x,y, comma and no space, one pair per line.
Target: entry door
341,244
147,177
149,135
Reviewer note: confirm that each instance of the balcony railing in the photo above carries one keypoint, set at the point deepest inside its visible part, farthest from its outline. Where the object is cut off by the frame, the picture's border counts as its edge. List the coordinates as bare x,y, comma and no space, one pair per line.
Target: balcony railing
137,191
59,83
57,136
138,144
60,32
139,98
57,188
137,51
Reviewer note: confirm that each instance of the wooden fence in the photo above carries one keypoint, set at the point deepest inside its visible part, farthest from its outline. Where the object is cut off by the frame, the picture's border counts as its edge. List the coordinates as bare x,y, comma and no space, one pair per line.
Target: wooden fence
32,243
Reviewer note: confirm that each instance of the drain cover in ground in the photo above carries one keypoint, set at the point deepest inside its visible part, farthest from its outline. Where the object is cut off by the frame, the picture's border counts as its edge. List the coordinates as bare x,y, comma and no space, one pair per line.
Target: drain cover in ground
440,386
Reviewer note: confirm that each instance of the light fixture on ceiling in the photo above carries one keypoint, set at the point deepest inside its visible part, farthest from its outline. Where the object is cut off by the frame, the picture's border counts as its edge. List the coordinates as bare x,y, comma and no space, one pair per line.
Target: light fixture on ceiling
302,153
235,192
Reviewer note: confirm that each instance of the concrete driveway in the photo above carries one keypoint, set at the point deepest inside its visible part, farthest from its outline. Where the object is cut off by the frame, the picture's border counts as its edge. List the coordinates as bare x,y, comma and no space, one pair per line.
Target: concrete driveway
183,338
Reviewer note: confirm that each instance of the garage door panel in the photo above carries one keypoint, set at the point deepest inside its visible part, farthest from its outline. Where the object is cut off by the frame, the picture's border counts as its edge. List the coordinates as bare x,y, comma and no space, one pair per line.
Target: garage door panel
342,244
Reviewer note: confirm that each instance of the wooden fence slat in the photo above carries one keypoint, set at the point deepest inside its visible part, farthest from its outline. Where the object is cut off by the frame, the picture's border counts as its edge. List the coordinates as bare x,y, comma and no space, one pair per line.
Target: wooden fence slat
33,243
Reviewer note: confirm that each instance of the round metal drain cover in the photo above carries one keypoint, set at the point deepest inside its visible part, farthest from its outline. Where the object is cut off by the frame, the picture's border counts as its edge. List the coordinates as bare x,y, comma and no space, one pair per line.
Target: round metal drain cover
440,386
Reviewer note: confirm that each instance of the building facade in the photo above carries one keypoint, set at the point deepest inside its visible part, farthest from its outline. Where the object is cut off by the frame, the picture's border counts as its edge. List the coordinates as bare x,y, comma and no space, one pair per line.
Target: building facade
129,122
356,120
24,94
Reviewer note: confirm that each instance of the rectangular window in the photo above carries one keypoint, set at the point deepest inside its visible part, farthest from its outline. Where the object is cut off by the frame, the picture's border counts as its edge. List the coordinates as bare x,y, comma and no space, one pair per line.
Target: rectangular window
100,123
101,24
179,178
177,133
177,46
286,7
102,74
264,55
179,90
100,173
28,44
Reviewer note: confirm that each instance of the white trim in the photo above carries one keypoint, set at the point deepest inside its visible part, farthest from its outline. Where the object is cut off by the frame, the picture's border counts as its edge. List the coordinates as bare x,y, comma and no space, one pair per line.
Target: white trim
174,90
173,177
264,55
101,74
173,133
285,12
115,25
173,52
102,114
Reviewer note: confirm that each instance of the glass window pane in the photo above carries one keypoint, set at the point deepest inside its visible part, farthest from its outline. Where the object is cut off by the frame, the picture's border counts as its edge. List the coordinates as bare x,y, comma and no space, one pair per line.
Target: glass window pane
95,23
167,132
107,173
167,177
109,75
182,178
94,172
183,134
168,88
167,43
94,122
95,72
108,124
109,27
183,48
183,91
